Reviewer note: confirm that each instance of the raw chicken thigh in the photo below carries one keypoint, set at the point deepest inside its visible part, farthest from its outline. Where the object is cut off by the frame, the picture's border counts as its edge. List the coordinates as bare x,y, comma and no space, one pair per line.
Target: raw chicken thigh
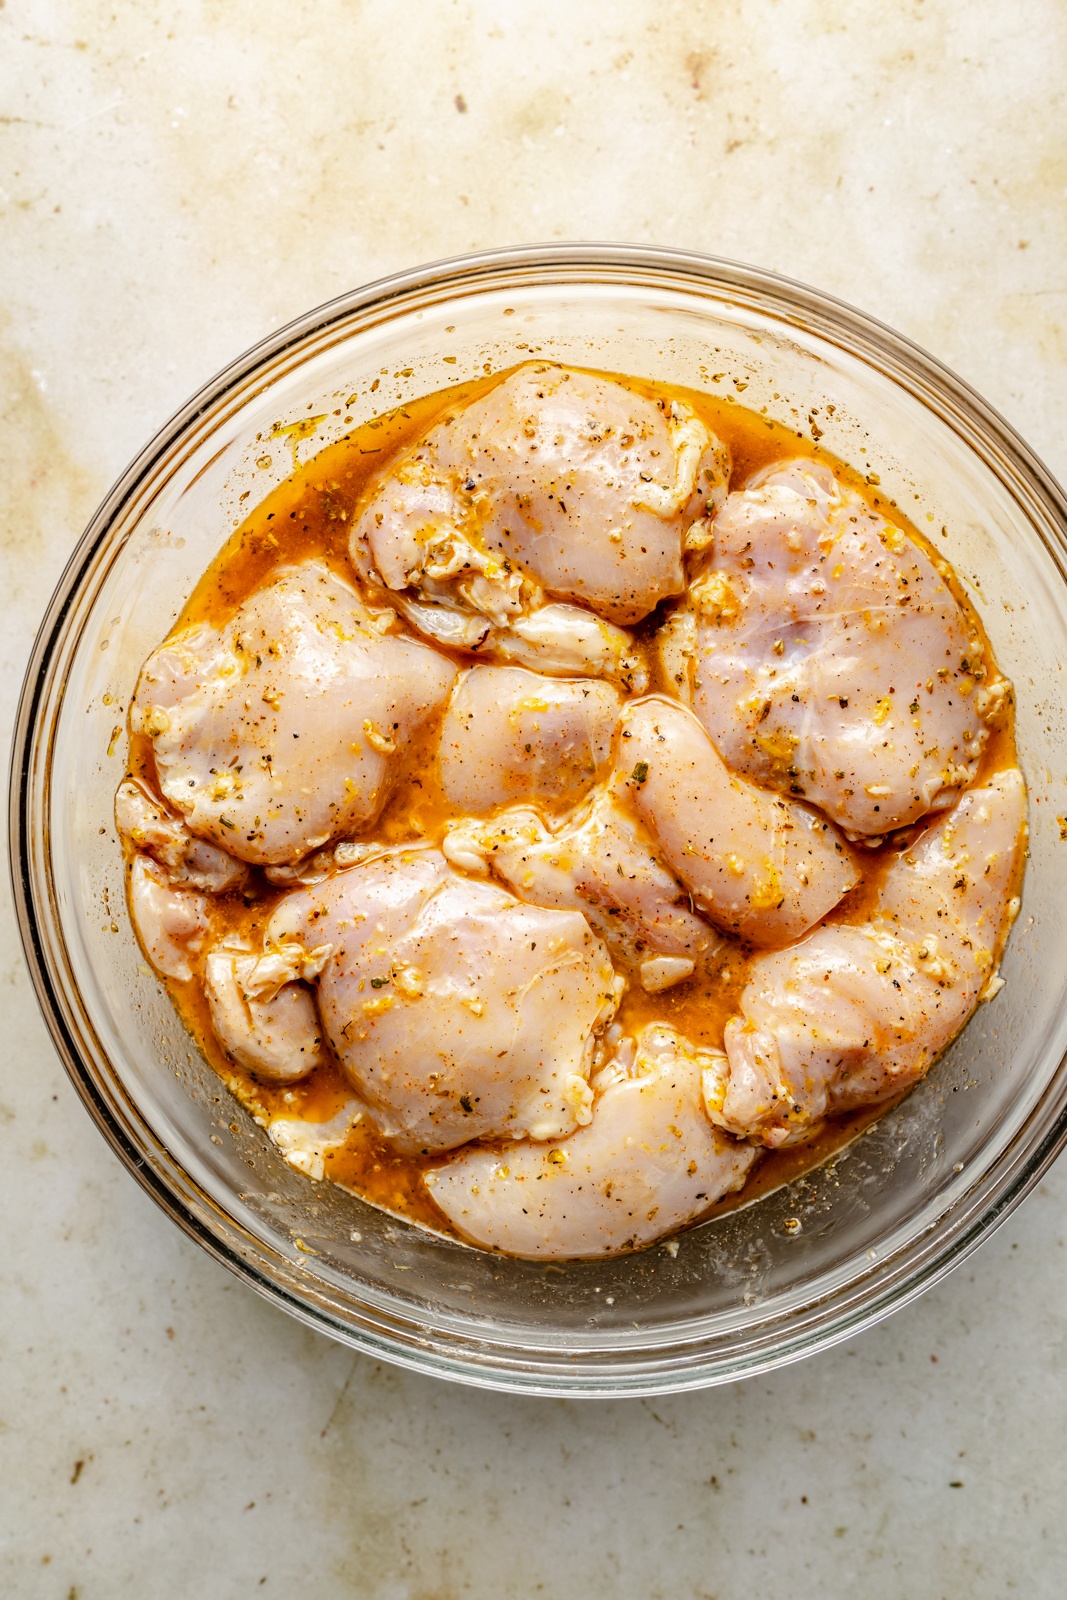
172,924
602,863
855,1014
649,1161
828,658
553,482
145,825
456,1012
509,734
168,868
283,729
264,1017
561,639
759,866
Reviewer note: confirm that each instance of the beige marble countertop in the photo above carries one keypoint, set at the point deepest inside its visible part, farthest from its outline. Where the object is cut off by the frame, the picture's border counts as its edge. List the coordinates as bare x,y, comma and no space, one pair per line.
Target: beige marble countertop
175,181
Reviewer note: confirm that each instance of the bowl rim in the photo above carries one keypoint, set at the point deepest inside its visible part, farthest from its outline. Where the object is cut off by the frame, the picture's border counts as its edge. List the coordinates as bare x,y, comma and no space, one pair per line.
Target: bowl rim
479,1361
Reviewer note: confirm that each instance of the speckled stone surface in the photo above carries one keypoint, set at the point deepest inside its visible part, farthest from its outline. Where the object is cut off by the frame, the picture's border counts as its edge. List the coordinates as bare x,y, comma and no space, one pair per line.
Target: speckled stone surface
174,182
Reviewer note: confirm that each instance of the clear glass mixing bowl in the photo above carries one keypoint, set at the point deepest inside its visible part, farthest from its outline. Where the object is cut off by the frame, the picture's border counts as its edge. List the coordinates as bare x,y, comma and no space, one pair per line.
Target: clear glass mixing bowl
746,1292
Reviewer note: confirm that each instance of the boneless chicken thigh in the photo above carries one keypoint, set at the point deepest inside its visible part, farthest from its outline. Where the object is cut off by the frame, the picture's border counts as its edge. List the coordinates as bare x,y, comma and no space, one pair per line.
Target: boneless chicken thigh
509,735
173,924
649,1161
456,1012
553,482
855,1014
145,825
265,1017
570,642
284,728
760,866
599,861
827,656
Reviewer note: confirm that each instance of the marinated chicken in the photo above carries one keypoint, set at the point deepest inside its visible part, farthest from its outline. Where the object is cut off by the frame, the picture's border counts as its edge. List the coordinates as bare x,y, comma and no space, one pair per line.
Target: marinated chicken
144,824
284,729
828,658
264,1016
477,925
455,1011
564,640
648,1162
553,483
509,733
760,867
172,924
602,863
854,1014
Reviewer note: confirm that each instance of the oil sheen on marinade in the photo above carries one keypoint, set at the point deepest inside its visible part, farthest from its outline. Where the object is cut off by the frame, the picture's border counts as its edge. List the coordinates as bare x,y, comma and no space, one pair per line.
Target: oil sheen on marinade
308,517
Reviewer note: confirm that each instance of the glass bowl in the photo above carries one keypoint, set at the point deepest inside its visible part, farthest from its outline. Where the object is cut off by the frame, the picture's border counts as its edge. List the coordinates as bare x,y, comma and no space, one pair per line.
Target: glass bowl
792,1273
